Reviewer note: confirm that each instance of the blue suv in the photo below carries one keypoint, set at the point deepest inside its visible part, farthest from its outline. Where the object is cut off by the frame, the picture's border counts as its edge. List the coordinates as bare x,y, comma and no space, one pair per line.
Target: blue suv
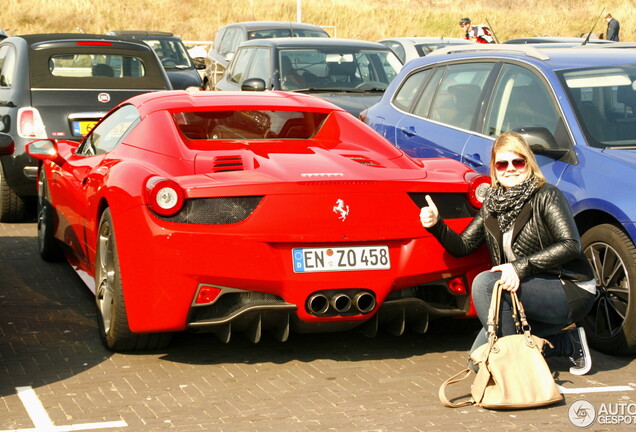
577,109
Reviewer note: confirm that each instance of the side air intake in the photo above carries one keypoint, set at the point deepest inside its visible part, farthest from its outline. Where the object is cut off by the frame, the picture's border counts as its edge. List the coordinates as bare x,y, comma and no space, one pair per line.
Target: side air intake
363,160
227,163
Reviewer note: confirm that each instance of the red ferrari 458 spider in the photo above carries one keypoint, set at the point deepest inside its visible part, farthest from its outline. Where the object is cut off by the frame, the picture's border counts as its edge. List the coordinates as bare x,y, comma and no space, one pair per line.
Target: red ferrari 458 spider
243,211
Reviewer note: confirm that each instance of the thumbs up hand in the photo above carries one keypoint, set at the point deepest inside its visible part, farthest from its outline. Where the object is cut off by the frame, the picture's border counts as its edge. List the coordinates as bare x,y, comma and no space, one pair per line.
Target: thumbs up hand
429,215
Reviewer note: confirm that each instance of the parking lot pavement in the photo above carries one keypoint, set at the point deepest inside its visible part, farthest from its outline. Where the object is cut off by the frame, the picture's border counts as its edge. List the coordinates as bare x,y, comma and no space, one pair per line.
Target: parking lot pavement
56,375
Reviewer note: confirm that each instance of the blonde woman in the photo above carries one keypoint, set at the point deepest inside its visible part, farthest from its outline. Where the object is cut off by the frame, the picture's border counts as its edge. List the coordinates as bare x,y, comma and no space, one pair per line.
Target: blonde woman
535,250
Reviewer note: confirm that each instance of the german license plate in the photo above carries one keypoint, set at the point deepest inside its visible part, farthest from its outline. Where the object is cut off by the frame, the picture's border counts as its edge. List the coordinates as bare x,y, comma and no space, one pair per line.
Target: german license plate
327,259
83,127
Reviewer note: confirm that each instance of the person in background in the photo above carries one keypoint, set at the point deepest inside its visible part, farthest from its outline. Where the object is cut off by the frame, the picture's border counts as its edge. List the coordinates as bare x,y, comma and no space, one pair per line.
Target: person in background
535,249
613,27
479,33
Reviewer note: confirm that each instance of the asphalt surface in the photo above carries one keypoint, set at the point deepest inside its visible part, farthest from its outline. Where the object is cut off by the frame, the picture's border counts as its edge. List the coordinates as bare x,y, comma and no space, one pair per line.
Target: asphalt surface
55,375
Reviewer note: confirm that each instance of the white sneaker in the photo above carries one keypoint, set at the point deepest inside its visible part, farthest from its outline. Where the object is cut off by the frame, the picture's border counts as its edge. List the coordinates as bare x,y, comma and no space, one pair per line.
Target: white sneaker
581,358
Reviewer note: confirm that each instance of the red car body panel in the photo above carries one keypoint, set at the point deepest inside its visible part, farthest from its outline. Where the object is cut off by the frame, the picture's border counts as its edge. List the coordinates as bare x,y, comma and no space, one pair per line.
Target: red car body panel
163,263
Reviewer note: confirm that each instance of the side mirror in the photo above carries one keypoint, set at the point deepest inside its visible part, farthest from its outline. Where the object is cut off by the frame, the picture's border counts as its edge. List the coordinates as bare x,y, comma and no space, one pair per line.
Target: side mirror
7,146
44,149
253,84
541,141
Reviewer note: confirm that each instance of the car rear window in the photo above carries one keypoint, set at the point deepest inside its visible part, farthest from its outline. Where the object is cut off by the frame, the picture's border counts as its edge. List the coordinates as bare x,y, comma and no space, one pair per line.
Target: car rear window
96,65
249,124
281,33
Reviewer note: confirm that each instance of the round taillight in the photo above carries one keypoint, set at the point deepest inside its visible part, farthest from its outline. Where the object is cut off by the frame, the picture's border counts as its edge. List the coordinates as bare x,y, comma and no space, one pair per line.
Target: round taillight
478,186
164,196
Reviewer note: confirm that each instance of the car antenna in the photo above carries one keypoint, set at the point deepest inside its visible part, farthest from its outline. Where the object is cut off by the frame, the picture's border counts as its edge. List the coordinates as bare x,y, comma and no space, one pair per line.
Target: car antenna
587,38
446,31
494,35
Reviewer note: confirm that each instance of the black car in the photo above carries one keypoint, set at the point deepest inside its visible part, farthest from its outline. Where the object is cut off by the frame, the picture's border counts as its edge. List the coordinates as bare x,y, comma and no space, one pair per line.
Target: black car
349,73
58,86
182,71
230,36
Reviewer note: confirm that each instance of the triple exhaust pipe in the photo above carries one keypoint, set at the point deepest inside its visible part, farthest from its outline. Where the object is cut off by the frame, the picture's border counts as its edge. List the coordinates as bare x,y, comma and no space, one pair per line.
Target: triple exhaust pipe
340,303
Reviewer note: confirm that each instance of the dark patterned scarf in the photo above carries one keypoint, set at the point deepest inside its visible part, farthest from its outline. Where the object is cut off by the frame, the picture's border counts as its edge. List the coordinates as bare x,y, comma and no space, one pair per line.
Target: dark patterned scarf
507,203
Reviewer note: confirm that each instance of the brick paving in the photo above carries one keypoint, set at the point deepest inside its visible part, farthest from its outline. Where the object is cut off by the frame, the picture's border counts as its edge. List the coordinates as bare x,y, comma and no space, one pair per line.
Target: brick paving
317,382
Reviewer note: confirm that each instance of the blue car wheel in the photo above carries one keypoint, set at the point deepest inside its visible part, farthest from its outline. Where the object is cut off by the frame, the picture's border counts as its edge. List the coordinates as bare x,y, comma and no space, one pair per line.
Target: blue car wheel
611,324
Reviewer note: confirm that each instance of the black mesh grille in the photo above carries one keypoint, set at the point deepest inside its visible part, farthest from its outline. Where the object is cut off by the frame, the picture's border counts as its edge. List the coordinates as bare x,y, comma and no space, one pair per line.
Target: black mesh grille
215,211
231,303
450,205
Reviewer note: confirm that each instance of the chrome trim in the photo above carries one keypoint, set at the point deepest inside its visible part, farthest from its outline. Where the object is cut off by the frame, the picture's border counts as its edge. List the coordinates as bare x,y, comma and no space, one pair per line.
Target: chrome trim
88,114
528,50
248,309
30,172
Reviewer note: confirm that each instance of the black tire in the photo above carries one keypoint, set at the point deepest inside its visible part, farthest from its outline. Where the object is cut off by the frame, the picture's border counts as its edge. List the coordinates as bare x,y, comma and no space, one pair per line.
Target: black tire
112,318
48,246
611,324
12,207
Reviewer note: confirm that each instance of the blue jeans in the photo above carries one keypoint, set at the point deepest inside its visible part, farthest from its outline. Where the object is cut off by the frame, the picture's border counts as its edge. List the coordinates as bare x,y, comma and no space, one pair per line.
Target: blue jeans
542,296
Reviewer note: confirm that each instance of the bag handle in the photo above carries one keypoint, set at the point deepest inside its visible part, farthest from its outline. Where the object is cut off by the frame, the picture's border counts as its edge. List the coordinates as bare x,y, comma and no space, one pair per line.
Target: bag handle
493,311
518,316
522,321
452,380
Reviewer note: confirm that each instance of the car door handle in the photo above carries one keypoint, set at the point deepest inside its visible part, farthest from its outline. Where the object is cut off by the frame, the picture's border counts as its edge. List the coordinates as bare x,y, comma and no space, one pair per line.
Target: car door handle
410,131
474,160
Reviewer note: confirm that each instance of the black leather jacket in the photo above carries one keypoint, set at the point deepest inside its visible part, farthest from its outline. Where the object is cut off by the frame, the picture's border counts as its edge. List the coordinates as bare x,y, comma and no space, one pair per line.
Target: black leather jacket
545,238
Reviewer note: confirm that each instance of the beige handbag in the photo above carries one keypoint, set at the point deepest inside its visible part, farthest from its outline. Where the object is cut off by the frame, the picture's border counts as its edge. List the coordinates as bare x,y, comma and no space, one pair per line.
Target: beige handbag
512,372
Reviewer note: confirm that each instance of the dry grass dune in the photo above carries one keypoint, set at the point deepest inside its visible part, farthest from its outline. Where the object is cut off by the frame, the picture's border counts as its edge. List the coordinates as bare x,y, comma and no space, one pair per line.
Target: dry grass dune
366,19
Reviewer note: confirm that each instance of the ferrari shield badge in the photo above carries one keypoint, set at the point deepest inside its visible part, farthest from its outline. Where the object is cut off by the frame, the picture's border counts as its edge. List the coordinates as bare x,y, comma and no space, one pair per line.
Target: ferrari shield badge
341,209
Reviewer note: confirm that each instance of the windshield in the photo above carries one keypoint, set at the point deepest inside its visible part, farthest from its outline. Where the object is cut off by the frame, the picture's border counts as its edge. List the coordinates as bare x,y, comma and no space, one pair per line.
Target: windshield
249,124
339,69
604,99
171,52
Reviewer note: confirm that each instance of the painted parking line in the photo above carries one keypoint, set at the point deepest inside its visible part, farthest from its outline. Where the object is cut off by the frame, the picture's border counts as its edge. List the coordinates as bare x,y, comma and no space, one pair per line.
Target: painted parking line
43,423
581,390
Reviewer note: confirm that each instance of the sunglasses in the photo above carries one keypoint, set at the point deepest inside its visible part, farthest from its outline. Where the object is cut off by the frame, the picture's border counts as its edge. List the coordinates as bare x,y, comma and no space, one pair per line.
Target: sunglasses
518,164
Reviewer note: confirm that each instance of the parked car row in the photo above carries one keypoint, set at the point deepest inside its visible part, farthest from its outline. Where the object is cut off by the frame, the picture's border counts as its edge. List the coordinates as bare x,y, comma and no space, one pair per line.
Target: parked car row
229,37
351,74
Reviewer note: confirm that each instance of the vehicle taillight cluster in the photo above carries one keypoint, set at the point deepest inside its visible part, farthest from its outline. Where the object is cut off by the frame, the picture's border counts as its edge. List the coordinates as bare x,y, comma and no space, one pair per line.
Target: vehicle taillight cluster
30,124
478,185
164,196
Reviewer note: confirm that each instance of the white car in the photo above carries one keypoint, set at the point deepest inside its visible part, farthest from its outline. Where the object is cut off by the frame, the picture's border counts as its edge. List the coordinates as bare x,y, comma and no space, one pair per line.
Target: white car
408,48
